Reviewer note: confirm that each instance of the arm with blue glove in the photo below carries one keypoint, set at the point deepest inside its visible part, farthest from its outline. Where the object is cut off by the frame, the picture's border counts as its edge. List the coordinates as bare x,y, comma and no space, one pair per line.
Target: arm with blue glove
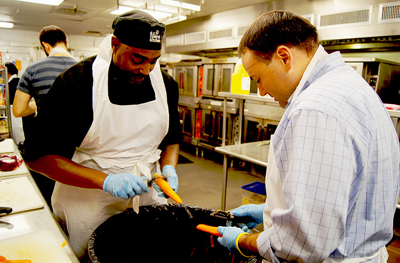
238,241
255,212
125,185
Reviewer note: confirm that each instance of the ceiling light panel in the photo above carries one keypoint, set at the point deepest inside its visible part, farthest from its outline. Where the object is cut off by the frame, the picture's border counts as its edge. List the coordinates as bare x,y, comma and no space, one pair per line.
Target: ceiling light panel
44,2
180,4
6,25
191,7
164,8
134,3
171,3
156,14
121,10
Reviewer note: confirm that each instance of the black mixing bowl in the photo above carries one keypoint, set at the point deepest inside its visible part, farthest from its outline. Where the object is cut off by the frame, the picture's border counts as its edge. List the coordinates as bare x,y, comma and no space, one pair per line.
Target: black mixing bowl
162,233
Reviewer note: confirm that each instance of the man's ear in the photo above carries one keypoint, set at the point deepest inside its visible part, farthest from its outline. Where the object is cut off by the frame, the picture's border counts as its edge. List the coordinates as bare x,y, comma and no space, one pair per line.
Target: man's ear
45,46
115,43
285,55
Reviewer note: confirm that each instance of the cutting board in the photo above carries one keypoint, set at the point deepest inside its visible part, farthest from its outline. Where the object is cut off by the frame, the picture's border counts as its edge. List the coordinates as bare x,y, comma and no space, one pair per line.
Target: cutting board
19,194
40,247
7,146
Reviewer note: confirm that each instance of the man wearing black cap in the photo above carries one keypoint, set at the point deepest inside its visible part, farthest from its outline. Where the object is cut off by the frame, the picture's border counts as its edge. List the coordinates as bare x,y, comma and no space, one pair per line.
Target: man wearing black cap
106,123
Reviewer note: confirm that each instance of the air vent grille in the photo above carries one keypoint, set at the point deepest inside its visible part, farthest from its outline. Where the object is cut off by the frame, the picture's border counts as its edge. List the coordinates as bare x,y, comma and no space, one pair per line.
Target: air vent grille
389,12
70,11
241,30
194,38
95,33
220,34
345,18
174,41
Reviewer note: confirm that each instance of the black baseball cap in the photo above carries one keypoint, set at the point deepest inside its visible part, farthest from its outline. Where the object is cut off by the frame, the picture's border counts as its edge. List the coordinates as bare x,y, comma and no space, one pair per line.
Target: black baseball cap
139,29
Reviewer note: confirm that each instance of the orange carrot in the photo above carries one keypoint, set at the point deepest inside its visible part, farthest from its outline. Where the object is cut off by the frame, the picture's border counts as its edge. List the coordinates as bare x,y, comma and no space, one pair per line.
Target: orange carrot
4,260
208,229
163,184
17,261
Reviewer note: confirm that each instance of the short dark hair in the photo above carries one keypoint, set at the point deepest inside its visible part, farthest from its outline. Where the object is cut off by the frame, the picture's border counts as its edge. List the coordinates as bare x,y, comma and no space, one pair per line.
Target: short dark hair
11,68
52,35
276,28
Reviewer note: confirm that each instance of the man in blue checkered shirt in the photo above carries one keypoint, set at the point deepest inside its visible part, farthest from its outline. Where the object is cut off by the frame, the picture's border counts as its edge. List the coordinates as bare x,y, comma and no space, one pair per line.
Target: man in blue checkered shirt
333,167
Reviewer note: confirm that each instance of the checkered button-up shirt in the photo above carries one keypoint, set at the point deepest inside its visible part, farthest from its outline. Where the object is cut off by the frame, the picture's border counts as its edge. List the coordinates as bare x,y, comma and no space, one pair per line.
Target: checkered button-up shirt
338,158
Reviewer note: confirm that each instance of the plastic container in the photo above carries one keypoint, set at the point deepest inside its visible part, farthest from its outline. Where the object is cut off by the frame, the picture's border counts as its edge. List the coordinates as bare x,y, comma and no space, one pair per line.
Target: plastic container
254,193
240,79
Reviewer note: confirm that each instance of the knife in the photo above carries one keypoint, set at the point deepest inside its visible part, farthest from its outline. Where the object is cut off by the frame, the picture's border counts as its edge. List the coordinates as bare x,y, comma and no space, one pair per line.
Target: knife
5,210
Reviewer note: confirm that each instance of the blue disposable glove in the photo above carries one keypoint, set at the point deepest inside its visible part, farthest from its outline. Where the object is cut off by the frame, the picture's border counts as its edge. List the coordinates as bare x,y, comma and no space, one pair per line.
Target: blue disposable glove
125,185
229,236
256,212
170,175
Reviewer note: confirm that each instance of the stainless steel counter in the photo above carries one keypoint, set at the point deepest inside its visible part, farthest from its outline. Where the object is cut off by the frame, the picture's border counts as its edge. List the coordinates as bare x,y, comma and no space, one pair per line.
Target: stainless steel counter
247,97
18,224
250,151
255,152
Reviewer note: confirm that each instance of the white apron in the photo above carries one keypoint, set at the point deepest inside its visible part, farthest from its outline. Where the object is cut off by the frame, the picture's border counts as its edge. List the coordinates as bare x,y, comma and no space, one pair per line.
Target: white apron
17,128
16,123
275,197
122,139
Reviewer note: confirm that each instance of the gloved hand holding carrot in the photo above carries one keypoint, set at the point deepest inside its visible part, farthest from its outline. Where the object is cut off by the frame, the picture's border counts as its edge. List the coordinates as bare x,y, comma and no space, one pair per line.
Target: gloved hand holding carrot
254,211
169,173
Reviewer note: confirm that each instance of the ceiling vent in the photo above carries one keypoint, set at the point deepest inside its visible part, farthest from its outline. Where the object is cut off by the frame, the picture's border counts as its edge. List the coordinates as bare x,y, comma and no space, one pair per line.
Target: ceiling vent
389,12
174,41
195,38
69,11
220,34
345,18
241,30
95,33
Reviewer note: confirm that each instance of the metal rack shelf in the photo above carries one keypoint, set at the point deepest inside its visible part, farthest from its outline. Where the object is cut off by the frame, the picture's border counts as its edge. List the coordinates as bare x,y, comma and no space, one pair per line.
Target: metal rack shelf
6,107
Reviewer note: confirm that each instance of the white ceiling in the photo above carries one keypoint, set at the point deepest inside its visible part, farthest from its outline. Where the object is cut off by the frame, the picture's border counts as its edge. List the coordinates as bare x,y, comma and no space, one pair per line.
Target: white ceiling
91,15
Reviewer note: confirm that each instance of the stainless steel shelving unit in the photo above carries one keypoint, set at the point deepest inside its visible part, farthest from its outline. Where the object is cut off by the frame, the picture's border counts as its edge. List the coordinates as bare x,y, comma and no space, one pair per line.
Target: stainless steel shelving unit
6,108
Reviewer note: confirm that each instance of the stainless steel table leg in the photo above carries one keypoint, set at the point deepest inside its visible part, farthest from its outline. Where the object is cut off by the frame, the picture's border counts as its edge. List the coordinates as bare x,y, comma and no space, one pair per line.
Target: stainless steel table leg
224,183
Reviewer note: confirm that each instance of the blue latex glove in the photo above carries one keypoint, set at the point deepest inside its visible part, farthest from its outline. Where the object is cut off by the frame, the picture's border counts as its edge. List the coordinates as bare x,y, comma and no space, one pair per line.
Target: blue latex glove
251,210
125,185
169,172
229,235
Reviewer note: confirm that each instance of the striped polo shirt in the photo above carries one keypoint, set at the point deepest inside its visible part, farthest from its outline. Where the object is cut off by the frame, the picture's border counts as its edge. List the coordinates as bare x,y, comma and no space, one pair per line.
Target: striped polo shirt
40,75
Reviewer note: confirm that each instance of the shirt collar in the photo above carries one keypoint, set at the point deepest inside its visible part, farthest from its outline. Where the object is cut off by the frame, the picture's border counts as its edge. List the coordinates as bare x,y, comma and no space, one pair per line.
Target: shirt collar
13,77
318,56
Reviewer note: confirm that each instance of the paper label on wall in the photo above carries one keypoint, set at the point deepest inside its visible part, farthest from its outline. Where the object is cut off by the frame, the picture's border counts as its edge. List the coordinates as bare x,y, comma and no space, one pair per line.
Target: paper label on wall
246,83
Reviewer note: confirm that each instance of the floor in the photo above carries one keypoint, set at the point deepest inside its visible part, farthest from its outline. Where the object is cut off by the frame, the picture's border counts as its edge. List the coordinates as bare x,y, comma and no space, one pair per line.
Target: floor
201,180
